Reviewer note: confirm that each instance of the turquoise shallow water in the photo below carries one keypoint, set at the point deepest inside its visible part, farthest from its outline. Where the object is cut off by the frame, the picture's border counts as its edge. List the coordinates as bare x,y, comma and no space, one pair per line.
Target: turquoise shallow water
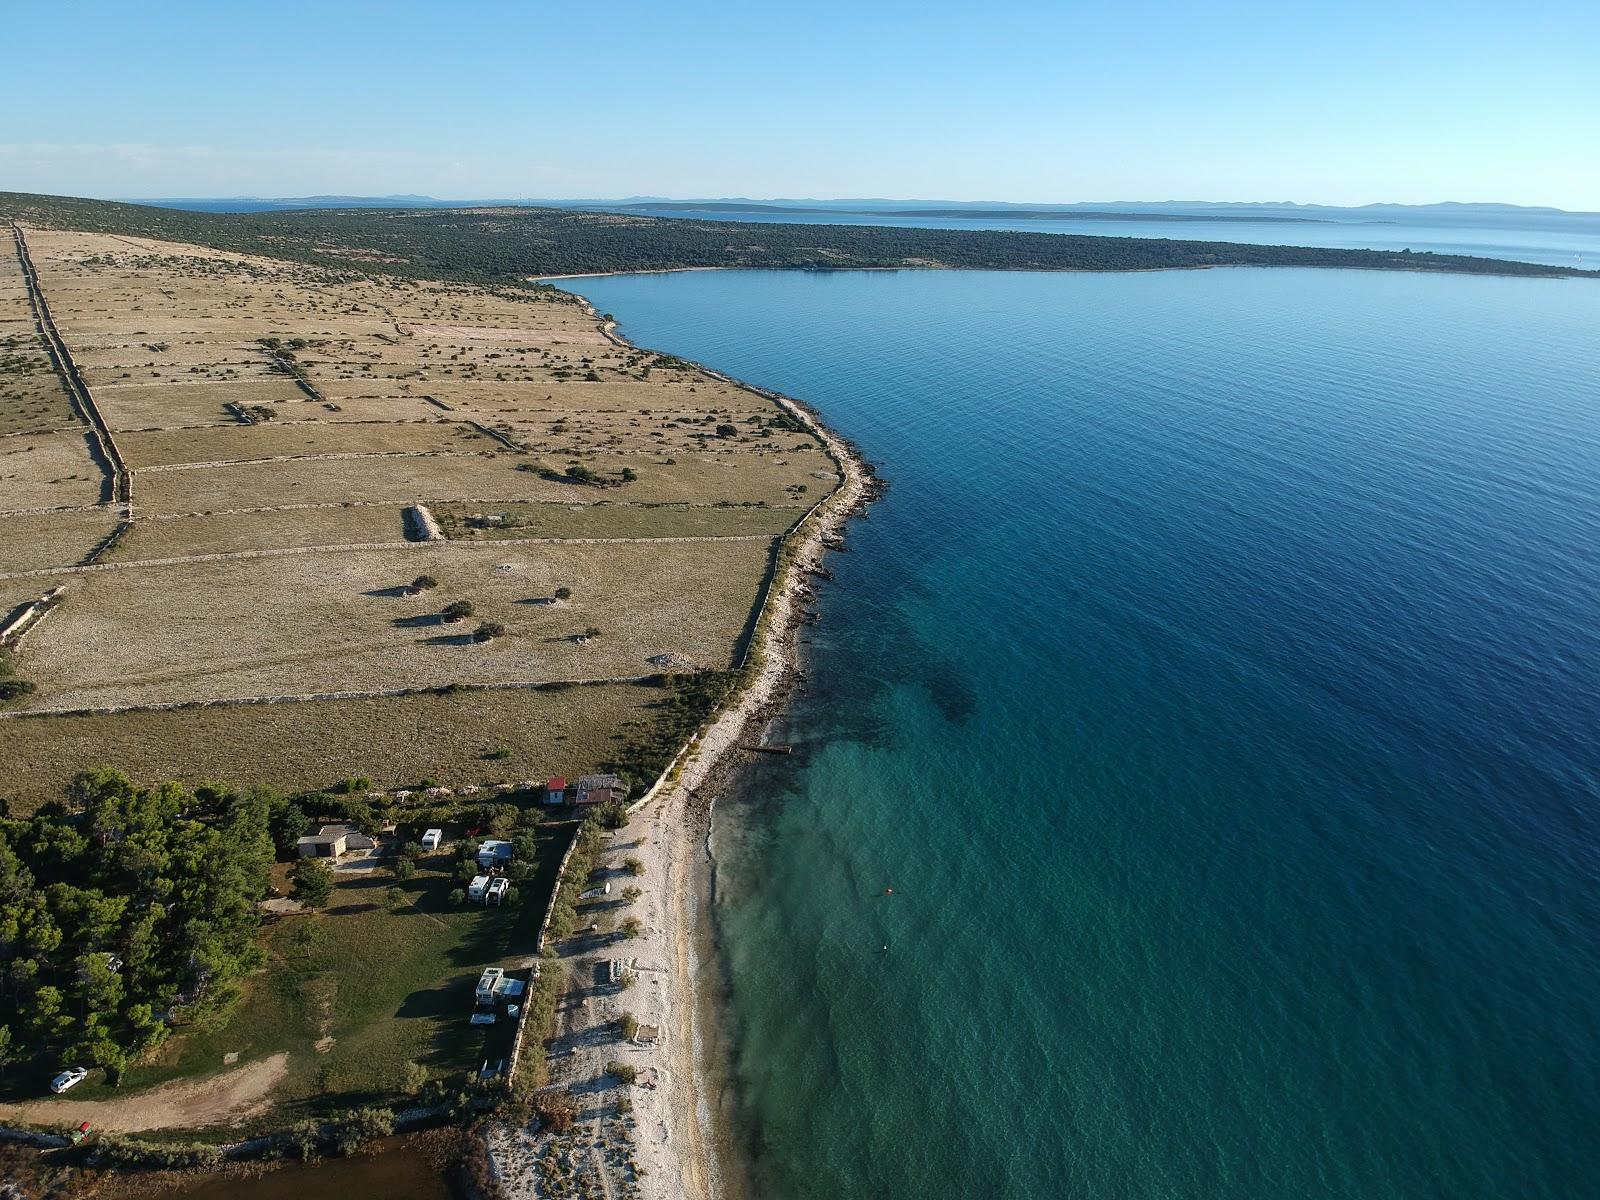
1217,687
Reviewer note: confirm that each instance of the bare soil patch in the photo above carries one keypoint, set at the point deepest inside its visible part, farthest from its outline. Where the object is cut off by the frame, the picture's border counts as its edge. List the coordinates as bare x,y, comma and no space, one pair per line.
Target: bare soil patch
230,1097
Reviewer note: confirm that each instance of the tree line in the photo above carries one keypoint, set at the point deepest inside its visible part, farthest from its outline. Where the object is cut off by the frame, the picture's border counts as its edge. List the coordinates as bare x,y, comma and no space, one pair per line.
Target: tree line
123,911
505,246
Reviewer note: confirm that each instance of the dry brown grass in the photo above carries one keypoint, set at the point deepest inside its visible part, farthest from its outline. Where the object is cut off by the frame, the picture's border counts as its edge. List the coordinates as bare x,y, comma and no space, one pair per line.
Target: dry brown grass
331,621
235,532
48,470
58,539
295,435
395,741
14,592
171,336
32,398
177,405
477,522
398,480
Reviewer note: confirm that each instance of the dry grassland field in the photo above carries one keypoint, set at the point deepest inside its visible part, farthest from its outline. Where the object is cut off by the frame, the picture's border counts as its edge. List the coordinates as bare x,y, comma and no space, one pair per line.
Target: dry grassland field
48,470
35,541
262,529
277,422
459,736
313,623
535,519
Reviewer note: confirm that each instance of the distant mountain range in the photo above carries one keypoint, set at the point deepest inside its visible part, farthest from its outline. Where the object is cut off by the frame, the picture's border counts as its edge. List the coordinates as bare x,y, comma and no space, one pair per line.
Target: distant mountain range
1160,210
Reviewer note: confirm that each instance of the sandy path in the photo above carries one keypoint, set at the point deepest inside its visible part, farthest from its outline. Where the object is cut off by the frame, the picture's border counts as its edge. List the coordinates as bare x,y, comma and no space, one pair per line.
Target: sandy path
226,1099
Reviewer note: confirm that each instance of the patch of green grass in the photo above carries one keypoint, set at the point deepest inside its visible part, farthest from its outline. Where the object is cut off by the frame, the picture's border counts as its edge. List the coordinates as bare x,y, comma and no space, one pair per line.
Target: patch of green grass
358,992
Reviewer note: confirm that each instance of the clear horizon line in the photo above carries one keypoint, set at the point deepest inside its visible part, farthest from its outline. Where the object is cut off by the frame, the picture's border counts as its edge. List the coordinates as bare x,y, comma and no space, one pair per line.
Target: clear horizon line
639,198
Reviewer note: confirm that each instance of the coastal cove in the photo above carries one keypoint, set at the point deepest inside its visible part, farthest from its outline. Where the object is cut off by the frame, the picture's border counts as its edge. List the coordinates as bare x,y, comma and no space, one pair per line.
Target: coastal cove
1214,691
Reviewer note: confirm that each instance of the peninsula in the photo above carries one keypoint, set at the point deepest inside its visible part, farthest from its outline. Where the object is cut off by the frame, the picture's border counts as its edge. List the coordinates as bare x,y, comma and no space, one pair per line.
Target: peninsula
510,245
392,559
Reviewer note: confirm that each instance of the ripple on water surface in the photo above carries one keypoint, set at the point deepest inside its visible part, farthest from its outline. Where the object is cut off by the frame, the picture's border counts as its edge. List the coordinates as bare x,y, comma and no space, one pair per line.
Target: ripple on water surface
1216,688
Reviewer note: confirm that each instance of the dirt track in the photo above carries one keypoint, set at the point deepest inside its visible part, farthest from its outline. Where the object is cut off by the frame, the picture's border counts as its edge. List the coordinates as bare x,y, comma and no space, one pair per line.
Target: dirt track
226,1099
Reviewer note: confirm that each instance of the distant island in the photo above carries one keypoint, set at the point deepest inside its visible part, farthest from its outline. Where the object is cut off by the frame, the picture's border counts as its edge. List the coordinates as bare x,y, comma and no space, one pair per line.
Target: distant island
1193,210
513,245
979,212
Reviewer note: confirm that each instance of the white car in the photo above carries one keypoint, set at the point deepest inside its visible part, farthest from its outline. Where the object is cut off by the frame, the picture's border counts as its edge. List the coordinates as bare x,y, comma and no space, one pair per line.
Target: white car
69,1078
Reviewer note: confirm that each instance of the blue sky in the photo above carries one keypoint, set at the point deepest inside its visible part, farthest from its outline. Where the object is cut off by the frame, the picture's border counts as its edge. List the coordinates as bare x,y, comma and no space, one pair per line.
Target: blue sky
1345,104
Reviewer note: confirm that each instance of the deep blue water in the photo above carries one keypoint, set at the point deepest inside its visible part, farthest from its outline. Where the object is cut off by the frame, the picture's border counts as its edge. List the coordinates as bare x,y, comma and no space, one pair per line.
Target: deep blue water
1218,689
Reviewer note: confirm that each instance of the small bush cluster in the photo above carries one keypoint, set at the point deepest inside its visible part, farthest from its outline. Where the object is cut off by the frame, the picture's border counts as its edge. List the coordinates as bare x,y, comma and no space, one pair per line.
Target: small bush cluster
564,908
556,1111
111,1150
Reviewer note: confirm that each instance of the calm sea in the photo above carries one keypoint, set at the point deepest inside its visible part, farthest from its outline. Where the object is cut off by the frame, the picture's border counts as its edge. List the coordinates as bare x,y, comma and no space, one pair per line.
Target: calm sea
1218,691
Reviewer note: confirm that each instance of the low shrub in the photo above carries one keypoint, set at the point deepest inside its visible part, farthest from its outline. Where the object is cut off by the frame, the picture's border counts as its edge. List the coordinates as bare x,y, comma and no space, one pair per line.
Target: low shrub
556,1110
355,1129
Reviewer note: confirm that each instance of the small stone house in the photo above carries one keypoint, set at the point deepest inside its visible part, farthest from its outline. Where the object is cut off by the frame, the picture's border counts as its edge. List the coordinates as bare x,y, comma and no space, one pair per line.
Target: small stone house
330,841
555,792
600,789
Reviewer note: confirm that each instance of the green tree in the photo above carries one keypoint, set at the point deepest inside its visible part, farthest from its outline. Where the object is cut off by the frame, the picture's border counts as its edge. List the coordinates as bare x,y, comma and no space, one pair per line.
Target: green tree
313,882
287,823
